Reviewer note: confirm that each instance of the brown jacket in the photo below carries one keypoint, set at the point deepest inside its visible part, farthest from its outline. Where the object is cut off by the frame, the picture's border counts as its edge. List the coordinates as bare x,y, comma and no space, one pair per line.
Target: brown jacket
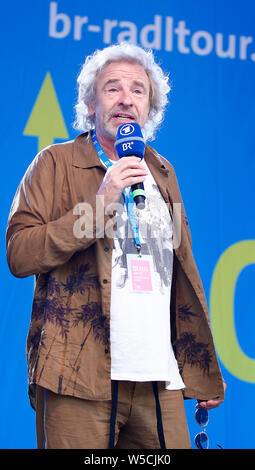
68,344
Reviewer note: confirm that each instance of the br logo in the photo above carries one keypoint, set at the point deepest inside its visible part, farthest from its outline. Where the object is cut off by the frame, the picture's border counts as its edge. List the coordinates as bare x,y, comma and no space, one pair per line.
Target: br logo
127,129
127,146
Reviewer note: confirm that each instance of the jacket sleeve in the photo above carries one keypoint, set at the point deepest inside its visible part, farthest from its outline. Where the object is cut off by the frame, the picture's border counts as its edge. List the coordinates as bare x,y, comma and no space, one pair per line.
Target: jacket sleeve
35,242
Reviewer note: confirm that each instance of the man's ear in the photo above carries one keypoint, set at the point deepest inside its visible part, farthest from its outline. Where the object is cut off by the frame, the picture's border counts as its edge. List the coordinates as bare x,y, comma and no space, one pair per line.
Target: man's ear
91,107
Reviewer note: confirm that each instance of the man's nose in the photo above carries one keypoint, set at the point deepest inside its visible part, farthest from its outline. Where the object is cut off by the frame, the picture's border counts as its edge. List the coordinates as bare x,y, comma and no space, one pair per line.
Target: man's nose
126,98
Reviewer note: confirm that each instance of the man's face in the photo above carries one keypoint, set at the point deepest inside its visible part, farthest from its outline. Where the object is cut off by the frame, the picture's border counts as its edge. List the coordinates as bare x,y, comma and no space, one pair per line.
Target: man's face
122,95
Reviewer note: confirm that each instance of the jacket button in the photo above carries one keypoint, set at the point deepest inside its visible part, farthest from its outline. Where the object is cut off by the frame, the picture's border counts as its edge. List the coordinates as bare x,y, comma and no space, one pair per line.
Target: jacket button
106,249
105,281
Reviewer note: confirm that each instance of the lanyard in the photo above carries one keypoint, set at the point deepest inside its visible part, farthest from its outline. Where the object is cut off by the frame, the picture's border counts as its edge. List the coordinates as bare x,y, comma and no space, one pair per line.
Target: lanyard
129,201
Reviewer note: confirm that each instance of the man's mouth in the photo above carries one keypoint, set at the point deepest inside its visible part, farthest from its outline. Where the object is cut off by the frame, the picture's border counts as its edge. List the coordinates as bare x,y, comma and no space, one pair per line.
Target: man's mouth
123,117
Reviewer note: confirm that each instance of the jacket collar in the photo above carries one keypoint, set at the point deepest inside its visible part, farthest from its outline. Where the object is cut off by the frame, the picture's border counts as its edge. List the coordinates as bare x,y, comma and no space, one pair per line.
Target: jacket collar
85,156
84,152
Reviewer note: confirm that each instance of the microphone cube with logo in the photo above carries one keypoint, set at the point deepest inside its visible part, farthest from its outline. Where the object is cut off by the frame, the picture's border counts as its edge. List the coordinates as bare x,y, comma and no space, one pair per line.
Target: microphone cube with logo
130,141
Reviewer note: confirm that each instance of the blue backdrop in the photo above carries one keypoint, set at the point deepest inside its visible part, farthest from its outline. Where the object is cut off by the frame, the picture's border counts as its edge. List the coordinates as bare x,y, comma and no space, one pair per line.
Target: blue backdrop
208,134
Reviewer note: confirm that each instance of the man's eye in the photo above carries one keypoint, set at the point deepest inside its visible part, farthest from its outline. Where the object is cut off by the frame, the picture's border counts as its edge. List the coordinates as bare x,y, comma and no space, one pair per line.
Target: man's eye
138,92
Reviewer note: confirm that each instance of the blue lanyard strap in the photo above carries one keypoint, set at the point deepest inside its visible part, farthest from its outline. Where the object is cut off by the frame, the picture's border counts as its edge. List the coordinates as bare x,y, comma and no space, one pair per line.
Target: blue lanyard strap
129,201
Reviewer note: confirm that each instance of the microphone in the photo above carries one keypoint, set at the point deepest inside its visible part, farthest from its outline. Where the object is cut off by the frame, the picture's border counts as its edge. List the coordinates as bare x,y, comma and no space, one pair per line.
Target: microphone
130,141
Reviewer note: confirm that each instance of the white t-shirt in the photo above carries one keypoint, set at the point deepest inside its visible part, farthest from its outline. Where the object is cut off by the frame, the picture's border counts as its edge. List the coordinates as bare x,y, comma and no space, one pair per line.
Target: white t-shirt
141,348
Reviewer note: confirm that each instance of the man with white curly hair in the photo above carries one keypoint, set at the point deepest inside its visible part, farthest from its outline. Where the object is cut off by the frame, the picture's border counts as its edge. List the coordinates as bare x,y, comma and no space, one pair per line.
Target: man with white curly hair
159,85
118,338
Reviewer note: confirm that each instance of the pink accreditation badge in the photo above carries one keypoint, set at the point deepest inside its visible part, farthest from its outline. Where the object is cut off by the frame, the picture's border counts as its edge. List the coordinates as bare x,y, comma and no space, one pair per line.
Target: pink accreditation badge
140,273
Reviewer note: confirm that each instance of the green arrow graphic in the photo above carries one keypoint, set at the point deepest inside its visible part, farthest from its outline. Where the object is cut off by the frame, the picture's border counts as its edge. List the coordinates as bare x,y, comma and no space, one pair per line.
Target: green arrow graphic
46,120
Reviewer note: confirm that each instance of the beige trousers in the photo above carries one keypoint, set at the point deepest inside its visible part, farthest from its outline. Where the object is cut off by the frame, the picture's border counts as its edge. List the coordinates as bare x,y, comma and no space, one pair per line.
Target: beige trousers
65,422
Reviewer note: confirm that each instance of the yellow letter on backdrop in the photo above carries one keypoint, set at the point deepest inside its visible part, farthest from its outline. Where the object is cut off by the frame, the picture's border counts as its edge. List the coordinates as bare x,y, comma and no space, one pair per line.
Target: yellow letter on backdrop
222,297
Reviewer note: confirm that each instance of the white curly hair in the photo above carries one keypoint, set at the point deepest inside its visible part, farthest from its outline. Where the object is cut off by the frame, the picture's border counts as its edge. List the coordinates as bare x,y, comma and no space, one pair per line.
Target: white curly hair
95,63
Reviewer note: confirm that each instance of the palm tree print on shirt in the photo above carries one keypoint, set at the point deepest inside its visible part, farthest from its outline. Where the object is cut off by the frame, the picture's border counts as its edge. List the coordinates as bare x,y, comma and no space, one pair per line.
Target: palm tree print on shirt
53,304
